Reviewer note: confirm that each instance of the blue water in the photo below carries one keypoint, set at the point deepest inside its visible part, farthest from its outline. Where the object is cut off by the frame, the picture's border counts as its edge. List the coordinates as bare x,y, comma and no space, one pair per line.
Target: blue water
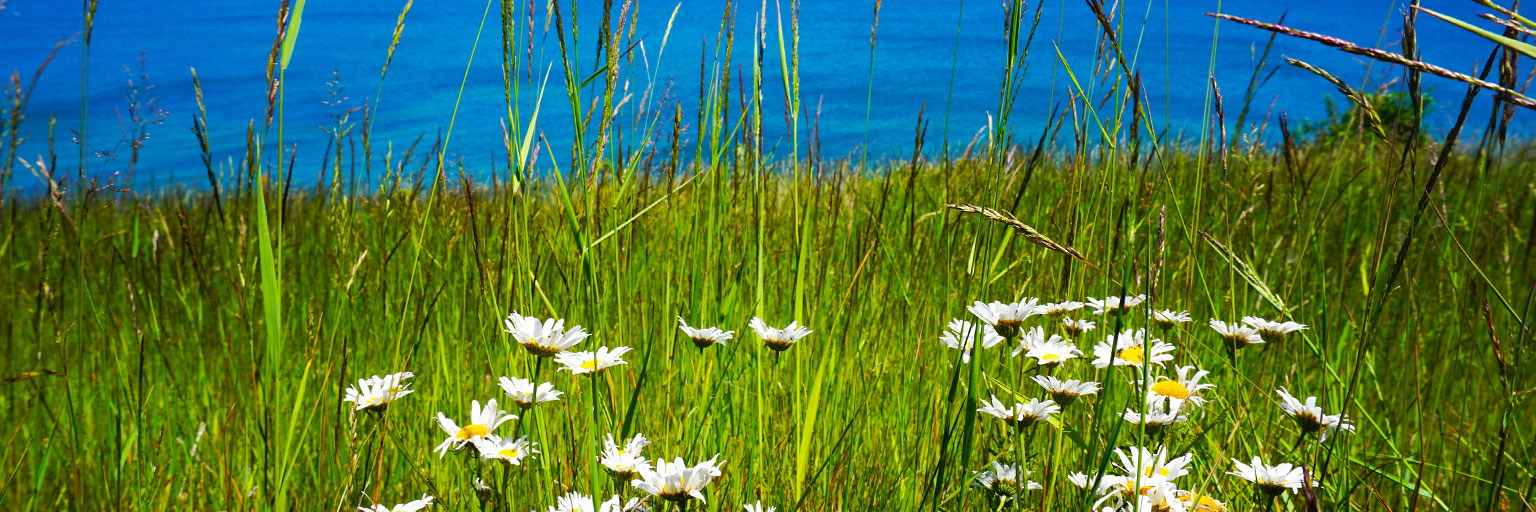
918,60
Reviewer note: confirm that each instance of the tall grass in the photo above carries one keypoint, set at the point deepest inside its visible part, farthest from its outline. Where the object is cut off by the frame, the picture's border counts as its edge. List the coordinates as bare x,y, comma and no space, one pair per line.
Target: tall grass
190,350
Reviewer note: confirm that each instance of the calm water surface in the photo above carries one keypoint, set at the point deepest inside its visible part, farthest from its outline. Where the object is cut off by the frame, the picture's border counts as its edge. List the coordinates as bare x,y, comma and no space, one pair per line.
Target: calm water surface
943,54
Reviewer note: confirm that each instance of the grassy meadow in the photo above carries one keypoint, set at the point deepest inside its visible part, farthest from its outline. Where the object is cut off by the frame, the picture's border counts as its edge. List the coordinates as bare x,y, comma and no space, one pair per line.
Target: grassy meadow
190,350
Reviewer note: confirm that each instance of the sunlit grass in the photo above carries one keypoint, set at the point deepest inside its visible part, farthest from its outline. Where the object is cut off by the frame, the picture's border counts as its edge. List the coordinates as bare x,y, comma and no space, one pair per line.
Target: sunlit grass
890,347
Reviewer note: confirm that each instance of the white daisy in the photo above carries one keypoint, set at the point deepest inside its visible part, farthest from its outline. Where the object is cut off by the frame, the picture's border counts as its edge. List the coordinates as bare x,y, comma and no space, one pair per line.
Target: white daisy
1059,308
589,363
704,337
1153,467
1272,332
526,394
961,335
1006,318
625,461
1310,417
1129,348
543,338
1235,335
676,481
1120,493
506,450
1022,414
412,506
1004,479
483,490
1161,497
1273,480
1075,327
375,393
577,502
482,422
635,504
1065,392
1105,483
758,507
1173,393
1032,338
778,339
1168,318
1053,353
1152,422
1114,305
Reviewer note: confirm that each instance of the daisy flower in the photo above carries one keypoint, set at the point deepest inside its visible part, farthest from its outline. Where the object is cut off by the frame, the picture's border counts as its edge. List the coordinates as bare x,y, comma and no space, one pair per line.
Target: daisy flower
1273,480
1134,494
1075,327
1173,393
1129,348
375,393
482,490
704,337
577,502
482,421
1003,480
505,450
1052,353
1272,332
412,506
526,394
778,339
625,461
1310,417
1059,308
1106,483
635,504
543,338
1006,318
758,507
589,363
1065,392
961,335
1032,338
1022,414
1168,318
1154,467
1114,305
1235,335
676,481
1162,497
1153,422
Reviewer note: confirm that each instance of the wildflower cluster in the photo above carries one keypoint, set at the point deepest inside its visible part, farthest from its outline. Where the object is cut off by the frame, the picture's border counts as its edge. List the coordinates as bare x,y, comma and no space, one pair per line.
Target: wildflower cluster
483,432
1145,477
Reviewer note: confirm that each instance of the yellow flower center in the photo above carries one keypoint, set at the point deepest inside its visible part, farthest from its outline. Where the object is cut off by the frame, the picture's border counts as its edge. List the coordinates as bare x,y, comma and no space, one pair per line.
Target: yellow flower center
509,453
1132,354
470,431
1050,358
589,365
1171,389
1202,502
1160,471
